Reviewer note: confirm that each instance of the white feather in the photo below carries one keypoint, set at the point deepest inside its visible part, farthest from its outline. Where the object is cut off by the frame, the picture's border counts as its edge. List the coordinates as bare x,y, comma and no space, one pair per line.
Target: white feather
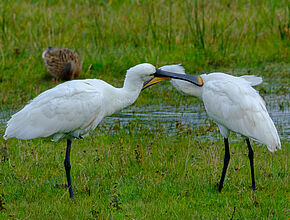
254,80
234,105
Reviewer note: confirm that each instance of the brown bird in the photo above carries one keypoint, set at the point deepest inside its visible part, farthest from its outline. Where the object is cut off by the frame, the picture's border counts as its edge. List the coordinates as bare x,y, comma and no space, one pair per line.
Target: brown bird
62,63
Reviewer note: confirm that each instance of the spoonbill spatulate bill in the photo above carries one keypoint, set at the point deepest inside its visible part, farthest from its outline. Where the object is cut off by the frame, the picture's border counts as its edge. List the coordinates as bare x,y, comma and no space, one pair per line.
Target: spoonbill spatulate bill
74,108
235,106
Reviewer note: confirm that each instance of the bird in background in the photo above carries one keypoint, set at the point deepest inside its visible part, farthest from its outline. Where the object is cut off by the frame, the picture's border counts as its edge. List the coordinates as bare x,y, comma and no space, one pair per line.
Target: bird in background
62,63
235,106
74,108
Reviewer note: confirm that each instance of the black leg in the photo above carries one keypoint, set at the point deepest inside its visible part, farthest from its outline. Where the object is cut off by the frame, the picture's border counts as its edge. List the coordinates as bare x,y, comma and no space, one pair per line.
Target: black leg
226,163
67,168
251,157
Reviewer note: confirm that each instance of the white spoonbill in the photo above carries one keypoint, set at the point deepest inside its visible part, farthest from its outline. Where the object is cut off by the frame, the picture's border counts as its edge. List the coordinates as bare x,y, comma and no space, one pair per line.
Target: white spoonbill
72,109
235,106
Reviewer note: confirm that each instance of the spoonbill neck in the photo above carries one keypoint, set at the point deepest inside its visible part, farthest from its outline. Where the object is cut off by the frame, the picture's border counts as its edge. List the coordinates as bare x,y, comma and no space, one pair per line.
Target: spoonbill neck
188,88
130,92
122,97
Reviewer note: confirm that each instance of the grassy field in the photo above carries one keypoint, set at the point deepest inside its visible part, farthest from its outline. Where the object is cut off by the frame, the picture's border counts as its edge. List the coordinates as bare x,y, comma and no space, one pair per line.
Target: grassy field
137,172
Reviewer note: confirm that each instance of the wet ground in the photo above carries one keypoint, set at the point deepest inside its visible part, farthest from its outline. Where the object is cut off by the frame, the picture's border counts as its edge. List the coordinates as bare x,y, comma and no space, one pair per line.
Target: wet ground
190,116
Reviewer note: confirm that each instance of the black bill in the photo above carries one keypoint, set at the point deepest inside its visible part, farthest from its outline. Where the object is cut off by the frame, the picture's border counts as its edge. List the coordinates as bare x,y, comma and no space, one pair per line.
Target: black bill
161,75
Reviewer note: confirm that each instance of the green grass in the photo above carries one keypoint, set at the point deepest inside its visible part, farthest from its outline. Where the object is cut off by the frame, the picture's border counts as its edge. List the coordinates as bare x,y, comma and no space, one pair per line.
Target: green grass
143,175
140,172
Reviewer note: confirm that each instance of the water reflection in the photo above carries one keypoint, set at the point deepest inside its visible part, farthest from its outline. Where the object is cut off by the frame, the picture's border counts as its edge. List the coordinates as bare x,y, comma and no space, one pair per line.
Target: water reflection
191,116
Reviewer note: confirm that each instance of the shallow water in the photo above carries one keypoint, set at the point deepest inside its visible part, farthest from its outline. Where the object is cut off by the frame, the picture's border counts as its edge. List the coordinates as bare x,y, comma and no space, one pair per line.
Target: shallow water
190,116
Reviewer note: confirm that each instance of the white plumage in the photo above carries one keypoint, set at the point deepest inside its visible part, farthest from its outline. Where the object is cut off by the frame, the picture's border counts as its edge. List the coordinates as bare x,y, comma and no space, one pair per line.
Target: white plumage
234,105
72,109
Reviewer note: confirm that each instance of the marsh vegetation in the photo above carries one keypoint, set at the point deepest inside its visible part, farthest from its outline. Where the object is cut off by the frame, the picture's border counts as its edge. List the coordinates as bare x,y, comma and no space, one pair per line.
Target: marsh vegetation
158,169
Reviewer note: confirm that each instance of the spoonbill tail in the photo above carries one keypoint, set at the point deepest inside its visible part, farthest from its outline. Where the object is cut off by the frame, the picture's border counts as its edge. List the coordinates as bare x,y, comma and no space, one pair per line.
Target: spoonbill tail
74,108
235,106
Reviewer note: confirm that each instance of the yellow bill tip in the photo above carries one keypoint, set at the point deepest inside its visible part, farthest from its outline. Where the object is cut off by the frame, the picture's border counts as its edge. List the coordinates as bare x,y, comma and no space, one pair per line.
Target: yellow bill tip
200,80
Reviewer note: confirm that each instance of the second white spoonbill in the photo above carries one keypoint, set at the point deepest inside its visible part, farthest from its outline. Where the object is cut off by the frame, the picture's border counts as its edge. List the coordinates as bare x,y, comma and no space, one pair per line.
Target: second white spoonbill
235,106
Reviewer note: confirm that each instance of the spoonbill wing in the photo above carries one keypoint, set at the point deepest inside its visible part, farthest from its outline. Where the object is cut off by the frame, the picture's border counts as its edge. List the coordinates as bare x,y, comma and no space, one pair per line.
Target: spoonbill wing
63,109
237,106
